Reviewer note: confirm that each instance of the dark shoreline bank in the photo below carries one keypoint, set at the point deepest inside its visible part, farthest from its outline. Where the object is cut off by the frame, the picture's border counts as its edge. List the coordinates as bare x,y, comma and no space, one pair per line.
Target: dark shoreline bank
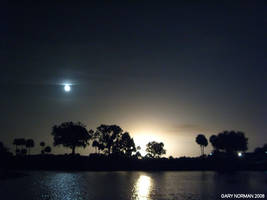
112,163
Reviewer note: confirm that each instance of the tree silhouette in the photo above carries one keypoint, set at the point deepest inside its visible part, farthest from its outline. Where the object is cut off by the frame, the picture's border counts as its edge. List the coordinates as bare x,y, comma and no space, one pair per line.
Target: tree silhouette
42,144
16,143
202,141
261,150
71,135
47,149
19,142
107,137
213,141
138,155
155,149
125,145
29,144
230,141
23,152
112,140
3,150
95,144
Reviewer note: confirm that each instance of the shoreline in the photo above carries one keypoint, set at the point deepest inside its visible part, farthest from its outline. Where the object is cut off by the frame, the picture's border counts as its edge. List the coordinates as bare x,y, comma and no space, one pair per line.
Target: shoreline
101,163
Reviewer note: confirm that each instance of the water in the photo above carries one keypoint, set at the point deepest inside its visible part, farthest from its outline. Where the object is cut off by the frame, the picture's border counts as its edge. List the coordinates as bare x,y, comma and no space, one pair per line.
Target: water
197,185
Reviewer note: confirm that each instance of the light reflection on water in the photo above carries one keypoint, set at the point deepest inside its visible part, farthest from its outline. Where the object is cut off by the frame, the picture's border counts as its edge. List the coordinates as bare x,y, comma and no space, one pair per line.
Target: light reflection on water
142,188
41,185
64,186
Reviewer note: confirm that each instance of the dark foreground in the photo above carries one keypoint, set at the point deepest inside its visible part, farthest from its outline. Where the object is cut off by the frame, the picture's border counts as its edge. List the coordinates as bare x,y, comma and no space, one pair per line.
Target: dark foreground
132,185
114,163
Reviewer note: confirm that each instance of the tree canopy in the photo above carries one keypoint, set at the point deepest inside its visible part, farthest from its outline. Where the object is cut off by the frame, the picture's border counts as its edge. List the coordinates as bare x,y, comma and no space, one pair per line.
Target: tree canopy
47,149
42,144
125,145
230,141
19,141
155,149
107,136
71,135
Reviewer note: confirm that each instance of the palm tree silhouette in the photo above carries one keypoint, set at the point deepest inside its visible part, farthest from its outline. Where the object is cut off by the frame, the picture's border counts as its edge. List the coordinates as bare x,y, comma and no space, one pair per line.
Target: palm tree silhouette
202,141
29,144
42,144
47,149
19,142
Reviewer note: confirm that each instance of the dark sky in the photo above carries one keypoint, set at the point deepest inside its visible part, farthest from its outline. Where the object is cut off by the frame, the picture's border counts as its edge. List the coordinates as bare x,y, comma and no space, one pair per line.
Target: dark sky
162,71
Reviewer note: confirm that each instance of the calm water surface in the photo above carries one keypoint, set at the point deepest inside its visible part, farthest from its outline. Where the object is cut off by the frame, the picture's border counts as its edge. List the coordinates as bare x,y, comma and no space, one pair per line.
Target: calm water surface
130,185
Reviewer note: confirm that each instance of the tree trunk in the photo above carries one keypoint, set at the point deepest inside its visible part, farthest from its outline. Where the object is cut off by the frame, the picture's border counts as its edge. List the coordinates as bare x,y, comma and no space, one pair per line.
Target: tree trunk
202,150
73,150
109,150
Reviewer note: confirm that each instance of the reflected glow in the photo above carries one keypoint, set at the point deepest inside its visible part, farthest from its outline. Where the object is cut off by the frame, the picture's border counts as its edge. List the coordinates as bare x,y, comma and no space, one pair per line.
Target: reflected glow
240,154
142,188
62,186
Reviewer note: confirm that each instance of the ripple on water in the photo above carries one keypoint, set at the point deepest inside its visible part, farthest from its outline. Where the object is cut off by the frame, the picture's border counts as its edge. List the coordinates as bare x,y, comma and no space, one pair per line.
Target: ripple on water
130,185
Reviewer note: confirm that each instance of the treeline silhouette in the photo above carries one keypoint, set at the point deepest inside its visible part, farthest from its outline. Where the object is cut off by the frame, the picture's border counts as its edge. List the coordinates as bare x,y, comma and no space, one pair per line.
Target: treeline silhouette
107,140
115,149
23,146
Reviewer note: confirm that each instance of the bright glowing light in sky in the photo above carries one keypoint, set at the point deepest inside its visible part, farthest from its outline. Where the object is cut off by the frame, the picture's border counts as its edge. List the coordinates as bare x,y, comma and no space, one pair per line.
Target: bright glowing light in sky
67,88
142,140
239,154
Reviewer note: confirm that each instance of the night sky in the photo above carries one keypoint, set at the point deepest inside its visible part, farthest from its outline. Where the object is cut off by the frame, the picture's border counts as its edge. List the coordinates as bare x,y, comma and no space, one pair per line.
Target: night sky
162,71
